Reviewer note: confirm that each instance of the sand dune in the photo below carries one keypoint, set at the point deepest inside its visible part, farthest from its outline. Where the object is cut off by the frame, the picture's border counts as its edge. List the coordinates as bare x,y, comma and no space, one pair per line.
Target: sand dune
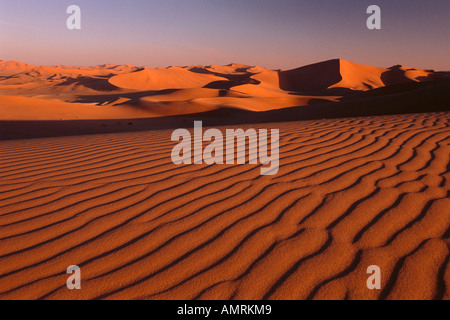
13,67
161,79
346,75
134,92
350,193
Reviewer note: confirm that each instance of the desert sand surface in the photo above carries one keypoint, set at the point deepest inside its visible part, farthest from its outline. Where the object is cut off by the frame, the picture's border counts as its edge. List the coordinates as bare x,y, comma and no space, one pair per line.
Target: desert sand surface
350,193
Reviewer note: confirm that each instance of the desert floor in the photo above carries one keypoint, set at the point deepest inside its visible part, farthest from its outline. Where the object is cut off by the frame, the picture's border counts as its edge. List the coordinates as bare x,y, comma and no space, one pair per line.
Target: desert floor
350,193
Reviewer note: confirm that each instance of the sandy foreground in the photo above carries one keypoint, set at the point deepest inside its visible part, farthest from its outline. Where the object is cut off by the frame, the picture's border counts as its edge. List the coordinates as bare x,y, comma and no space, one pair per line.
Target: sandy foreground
350,193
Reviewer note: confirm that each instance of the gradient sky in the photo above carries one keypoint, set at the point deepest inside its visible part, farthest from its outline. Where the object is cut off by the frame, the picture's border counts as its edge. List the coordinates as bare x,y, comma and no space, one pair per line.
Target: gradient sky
271,33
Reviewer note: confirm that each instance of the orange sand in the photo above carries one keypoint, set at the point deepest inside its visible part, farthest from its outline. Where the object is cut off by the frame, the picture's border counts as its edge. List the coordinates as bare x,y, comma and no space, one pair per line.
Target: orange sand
129,92
350,193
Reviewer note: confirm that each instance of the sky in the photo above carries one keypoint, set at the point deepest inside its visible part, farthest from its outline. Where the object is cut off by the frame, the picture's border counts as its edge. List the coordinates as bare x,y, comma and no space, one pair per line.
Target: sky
278,34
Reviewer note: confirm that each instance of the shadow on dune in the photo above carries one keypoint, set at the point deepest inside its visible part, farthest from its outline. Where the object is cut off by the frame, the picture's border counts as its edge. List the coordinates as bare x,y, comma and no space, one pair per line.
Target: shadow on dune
241,77
395,75
312,78
132,96
233,81
98,84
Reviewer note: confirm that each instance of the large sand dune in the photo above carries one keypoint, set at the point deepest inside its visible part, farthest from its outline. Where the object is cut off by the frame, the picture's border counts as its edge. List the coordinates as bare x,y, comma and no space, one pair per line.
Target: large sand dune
350,193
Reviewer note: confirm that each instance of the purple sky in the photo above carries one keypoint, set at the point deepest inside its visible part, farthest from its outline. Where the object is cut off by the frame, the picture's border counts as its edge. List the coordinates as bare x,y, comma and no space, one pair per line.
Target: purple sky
270,33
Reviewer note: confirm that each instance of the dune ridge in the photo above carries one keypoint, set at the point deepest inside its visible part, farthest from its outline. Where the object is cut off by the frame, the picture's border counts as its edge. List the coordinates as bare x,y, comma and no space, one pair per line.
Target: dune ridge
350,193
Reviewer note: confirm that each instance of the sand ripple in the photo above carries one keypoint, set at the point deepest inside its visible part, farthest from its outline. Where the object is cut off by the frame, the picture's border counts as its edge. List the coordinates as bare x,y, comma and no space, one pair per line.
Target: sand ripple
350,193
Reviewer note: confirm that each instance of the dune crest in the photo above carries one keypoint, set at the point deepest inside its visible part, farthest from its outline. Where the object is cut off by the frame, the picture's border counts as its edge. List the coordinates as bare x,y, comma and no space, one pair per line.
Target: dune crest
13,67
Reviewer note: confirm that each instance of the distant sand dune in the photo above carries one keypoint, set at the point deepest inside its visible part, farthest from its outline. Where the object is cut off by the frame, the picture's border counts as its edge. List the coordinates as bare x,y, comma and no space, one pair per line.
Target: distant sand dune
129,92
161,79
346,75
350,193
